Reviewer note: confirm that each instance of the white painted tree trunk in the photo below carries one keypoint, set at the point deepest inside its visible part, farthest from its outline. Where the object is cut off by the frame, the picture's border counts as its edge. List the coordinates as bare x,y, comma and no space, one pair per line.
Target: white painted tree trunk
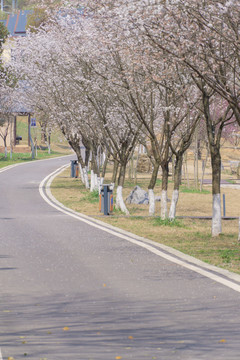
103,157
98,184
173,207
164,205
81,174
120,202
96,187
92,184
85,174
151,202
216,215
6,152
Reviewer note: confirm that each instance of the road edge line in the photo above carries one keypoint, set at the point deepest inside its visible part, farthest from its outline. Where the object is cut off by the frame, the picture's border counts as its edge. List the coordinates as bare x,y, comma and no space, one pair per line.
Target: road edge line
181,259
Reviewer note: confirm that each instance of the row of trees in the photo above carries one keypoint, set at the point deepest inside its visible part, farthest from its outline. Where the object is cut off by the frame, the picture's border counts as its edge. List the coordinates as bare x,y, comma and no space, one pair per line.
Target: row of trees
8,94
114,75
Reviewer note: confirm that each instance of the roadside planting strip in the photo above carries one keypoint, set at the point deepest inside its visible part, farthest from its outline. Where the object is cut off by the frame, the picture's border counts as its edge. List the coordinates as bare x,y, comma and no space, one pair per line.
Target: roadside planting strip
9,167
224,277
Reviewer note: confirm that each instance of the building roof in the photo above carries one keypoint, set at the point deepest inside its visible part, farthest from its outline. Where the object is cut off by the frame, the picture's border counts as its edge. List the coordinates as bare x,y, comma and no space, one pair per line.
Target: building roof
16,23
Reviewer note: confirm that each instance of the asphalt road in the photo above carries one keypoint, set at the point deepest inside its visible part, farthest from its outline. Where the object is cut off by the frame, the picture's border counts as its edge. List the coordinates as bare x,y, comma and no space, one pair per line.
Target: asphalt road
72,291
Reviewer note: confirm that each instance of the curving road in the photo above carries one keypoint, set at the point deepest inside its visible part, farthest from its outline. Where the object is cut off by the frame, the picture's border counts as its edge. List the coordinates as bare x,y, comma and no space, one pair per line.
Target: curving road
69,290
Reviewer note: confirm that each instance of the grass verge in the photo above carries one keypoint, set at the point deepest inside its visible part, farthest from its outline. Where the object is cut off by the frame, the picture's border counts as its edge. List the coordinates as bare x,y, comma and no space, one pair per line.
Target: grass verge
192,237
25,157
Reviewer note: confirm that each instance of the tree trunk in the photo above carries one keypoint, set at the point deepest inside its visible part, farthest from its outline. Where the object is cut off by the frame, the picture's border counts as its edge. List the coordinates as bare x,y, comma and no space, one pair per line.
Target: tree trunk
104,169
151,197
95,166
95,172
164,211
11,140
49,144
32,144
97,182
120,202
5,147
85,176
204,168
115,171
136,166
186,167
74,143
216,192
92,184
177,182
119,199
43,132
151,189
130,169
173,167
87,156
196,161
81,174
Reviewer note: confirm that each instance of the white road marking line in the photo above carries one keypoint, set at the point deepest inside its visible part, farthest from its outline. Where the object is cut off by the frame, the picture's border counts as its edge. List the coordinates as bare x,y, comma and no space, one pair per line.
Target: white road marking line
8,168
142,243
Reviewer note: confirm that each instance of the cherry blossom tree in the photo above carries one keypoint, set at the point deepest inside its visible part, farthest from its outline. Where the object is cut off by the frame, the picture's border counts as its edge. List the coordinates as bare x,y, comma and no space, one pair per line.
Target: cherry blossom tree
127,72
156,87
196,37
9,101
72,86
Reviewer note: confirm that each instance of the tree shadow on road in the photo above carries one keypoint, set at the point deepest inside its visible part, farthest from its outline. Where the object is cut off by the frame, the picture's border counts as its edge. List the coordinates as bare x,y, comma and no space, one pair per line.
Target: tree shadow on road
59,326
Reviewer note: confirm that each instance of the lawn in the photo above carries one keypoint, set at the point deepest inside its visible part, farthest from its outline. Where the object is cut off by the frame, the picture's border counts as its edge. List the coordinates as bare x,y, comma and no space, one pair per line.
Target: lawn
187,234
59,147
25,157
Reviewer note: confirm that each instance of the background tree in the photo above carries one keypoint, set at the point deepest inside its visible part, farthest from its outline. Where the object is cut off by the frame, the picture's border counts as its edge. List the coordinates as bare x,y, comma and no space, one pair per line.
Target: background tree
135,73
193,34
37,19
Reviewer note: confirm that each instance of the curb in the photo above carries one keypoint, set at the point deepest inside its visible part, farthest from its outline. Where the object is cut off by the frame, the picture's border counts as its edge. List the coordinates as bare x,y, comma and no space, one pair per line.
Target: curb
219,275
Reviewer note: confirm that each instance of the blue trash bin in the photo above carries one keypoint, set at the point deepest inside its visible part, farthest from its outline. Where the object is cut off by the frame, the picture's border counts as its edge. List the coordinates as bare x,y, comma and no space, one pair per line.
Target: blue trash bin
74,168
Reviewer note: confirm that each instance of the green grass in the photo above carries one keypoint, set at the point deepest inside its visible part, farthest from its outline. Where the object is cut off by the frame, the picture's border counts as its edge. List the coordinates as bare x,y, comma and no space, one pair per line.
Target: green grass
192,237
185,189
25,157
159,182
91,197
22,130
134,209
203,236
231,181
228,255
117,211
172,223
